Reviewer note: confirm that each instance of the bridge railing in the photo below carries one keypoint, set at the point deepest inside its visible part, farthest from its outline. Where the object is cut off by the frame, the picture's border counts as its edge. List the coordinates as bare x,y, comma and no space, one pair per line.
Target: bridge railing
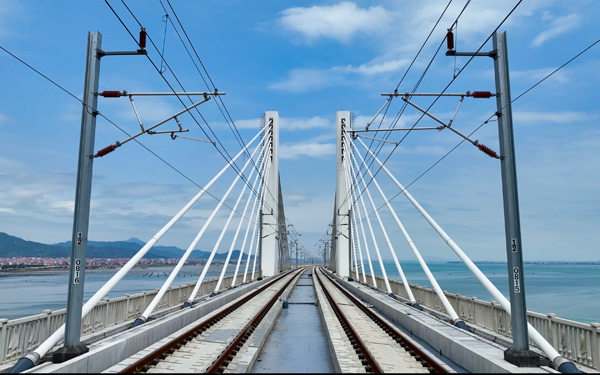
579,342
21,336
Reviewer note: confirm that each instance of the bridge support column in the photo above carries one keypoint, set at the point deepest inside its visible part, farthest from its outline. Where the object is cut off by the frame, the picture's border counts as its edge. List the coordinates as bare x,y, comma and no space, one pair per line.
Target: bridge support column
340,252
273,238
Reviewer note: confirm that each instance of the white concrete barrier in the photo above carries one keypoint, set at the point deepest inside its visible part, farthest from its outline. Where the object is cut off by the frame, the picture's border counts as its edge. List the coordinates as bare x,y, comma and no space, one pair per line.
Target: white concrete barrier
19,337
579,342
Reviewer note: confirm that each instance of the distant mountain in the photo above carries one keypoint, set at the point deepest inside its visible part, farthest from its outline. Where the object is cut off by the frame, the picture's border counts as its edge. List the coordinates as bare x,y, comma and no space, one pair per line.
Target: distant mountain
136,241
11,246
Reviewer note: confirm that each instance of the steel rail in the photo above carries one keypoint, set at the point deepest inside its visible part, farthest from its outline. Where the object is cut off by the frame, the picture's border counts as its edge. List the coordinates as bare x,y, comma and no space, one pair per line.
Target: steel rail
425,358
224,359
153,358
367,359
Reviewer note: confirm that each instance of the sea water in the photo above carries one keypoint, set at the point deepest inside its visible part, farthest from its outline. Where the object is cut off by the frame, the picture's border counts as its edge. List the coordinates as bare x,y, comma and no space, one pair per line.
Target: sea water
27,293
571,291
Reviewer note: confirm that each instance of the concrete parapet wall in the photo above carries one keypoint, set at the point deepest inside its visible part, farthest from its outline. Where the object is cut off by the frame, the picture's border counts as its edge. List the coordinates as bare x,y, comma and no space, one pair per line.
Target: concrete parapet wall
579,342
116,348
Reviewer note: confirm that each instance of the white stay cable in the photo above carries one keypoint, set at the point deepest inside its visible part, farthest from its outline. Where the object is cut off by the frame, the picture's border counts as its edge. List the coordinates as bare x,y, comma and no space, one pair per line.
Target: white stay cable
534,335
208,221
185,256
252,220
350,239
91,303
364,236
256,232
436,287
385,235
225,227
384,273
355,231
362,265
237,232
411,297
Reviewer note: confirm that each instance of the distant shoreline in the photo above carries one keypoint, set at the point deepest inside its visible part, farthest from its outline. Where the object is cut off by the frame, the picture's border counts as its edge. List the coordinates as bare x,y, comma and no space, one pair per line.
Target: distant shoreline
25,268
66,268
550,262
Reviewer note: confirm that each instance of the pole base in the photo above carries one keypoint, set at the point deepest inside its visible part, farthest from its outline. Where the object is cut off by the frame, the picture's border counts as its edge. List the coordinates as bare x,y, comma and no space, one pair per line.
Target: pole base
522,357
68,352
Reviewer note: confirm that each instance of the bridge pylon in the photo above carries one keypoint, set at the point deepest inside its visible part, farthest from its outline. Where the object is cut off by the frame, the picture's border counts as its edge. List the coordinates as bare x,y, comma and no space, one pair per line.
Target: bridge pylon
274,248
340,236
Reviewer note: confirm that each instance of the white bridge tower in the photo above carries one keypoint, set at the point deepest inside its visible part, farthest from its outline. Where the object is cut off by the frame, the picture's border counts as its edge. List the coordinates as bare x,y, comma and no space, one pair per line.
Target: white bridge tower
340,237
274,249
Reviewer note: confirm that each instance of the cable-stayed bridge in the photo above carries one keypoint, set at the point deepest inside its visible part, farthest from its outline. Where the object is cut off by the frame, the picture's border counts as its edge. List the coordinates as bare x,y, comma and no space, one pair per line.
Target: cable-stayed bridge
269,313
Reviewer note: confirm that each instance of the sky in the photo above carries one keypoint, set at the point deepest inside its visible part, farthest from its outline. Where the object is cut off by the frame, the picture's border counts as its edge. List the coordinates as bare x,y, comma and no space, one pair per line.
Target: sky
305,60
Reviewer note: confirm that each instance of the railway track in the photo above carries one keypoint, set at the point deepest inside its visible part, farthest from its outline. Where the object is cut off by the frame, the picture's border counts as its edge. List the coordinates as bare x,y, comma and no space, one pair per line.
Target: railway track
378,344
211,345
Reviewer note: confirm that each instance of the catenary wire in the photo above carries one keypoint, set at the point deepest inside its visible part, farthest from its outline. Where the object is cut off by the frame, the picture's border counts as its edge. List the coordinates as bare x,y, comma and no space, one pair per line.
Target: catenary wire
444,90
490,119
397,117
228,157
235,130
109,120
228,118
218,98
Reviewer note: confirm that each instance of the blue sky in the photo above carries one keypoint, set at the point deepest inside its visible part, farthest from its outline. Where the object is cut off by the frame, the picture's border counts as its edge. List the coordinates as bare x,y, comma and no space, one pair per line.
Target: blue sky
305,60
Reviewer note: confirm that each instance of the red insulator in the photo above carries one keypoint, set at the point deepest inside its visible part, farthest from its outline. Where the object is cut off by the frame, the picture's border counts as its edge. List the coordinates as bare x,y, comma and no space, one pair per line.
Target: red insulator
142,38
488,151
481,94
105,150
450,40
111,94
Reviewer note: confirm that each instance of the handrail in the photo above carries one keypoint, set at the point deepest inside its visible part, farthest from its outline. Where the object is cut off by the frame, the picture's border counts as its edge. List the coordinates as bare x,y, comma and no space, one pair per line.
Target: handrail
23,335
579,342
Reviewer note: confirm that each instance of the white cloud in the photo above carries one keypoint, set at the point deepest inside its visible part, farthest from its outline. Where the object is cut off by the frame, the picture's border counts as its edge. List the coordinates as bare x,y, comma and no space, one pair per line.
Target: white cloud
315,122
246,124
537,74
285,123
340,22
371,69
554,117
302,80
3,119
311,149
7,165
557,26
8,10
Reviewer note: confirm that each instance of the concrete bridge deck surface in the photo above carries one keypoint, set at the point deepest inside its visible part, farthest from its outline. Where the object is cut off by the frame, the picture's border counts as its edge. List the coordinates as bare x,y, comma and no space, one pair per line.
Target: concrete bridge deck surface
296,343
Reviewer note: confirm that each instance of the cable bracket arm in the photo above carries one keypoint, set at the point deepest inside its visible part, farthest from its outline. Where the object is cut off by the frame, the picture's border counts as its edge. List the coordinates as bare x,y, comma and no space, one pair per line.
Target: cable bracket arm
473,94
486,150
111,148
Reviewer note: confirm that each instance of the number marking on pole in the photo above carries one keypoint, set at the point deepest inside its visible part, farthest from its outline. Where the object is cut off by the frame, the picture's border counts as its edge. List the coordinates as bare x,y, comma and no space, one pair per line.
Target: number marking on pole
77,270
517,278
